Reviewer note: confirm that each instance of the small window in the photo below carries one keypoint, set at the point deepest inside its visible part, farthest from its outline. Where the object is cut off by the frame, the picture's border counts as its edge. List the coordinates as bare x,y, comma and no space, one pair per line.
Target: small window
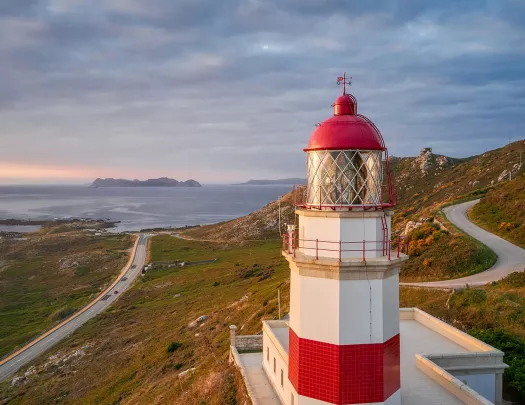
268,354
274,366
282,378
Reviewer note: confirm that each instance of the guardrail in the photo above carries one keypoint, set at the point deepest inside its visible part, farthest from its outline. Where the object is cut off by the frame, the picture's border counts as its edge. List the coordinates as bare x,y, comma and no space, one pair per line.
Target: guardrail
291,243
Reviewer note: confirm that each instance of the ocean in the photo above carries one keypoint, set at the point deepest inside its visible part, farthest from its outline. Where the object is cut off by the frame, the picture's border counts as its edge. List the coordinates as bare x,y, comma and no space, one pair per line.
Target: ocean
140,207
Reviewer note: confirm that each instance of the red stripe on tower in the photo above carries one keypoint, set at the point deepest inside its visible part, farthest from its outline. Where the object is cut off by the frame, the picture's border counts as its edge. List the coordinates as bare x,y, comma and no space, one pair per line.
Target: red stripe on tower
344,374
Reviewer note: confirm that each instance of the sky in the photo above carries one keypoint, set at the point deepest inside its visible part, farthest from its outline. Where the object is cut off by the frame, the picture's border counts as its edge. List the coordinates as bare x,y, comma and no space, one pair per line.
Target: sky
224,91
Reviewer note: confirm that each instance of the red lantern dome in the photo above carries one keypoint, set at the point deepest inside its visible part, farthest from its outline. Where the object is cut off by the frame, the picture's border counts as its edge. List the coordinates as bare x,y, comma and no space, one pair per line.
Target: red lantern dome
346,130
343,132
347,161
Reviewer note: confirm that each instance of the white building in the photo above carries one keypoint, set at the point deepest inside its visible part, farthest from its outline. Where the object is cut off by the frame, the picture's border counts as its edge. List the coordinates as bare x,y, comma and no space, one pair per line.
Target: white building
346,340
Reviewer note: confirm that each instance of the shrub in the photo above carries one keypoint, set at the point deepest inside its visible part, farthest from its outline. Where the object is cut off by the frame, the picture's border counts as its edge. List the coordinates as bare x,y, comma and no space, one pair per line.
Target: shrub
514,280
173,346
507,226
216,283
428,262
81,271
62,313
514,349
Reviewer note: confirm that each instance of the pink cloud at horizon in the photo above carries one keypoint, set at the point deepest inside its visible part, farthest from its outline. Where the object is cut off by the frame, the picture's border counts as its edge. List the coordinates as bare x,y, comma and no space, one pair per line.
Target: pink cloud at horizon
16,173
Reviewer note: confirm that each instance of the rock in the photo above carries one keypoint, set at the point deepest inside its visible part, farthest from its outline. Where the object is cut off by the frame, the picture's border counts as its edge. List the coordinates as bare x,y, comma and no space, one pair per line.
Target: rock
30,371
509,174
186,373
198,321
19,380
427,160
503,176
410,226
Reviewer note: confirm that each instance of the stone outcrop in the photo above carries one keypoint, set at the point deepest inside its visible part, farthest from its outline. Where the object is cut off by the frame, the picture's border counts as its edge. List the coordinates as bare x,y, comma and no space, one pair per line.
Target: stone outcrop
426,161
509,174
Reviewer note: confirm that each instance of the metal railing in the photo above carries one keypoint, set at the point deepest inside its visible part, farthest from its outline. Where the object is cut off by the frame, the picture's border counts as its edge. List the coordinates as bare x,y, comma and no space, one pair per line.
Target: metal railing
299,194
292,243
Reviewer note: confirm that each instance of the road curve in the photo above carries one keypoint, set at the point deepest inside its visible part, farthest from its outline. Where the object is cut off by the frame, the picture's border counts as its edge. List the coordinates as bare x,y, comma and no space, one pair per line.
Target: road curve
32,350
511,258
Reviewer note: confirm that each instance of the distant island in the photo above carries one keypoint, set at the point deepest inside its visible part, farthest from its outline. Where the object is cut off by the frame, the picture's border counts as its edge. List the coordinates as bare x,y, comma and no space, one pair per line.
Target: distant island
160,182
292,180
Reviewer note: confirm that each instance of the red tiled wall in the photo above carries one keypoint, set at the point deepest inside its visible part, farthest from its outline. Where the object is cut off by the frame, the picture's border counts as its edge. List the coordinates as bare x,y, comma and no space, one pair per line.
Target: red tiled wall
344,374
391,361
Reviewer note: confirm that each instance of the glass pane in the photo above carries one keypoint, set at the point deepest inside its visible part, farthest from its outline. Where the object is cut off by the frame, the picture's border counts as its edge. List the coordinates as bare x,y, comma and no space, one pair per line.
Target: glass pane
344,178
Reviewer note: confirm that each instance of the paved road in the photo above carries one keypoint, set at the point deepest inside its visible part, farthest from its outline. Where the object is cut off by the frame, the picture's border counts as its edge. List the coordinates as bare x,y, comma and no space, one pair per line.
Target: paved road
134,269
511,258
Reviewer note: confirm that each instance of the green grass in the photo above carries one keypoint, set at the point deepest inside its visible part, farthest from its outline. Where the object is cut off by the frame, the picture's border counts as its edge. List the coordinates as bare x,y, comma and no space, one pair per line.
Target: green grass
133,361
36,291
502,210
514,349
437,254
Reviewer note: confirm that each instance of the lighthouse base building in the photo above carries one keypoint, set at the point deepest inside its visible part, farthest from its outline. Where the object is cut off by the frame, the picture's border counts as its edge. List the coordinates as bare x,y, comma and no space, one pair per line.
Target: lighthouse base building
345,340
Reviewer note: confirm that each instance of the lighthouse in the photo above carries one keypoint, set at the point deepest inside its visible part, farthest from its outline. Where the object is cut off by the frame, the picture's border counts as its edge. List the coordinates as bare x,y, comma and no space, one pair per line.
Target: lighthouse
346,341
344,344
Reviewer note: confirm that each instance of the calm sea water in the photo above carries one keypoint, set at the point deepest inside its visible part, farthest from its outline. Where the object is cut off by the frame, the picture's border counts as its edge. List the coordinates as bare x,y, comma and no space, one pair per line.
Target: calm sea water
137,208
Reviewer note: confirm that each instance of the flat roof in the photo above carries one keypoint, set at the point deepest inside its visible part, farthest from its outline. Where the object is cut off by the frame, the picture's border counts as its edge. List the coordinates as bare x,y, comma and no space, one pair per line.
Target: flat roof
421,335
283,336
416,387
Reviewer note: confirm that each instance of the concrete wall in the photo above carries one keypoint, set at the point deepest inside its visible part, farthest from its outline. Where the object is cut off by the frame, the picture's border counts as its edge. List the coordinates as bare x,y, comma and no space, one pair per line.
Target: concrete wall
351,227
275,362
474,376
483,384
249,342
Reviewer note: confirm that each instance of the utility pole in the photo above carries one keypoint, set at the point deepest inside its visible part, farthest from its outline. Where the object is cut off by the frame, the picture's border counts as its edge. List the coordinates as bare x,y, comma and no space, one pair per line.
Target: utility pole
279,302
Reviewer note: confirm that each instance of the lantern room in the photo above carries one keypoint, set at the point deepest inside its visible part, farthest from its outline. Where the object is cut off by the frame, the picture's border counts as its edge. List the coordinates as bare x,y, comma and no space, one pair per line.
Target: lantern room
347,162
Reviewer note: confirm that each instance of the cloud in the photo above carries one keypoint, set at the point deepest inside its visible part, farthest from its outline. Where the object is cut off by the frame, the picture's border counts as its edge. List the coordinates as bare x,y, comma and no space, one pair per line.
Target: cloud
233,89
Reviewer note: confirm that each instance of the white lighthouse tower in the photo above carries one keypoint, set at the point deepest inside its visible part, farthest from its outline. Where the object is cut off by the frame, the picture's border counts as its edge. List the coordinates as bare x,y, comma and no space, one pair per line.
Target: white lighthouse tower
344,344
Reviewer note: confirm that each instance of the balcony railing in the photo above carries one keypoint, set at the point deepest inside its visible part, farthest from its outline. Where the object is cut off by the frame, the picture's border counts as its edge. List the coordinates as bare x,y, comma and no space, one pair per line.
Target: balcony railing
292,243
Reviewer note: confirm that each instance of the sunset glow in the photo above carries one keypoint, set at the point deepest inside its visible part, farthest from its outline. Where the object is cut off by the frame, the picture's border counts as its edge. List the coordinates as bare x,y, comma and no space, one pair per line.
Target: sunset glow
26,172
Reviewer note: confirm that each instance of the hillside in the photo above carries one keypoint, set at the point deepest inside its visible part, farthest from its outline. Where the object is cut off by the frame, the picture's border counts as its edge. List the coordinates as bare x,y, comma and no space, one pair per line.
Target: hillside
50,275
147,339
291,181
149,342
428,181
261,224
502,209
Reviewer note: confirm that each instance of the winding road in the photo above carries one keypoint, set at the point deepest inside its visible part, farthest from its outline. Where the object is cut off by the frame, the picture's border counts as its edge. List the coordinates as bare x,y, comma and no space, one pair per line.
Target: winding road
511,258
133,268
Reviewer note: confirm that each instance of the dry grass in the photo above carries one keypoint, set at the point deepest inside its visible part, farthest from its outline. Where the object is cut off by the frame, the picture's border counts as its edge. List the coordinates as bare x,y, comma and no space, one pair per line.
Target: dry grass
128,361
502,211
48,276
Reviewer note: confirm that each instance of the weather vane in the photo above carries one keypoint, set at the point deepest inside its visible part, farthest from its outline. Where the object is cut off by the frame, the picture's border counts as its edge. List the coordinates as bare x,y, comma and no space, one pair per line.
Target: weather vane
345,80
